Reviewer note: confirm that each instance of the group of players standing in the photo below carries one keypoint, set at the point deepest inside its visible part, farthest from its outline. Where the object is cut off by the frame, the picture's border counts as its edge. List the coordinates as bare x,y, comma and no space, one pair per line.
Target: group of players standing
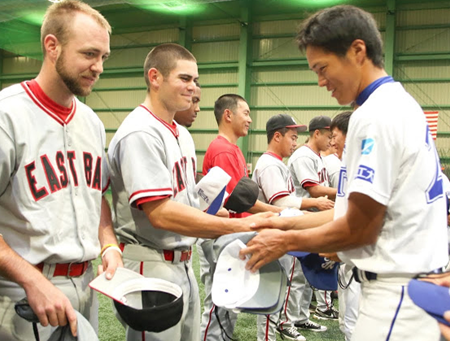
54,219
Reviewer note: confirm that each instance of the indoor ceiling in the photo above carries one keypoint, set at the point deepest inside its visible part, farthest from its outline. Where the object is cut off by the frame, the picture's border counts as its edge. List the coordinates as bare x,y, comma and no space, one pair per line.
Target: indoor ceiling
20,19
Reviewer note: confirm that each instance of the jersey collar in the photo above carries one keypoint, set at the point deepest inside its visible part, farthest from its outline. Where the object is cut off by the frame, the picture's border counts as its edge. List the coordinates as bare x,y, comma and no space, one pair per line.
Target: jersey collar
172,127
61,114
364,95
274,155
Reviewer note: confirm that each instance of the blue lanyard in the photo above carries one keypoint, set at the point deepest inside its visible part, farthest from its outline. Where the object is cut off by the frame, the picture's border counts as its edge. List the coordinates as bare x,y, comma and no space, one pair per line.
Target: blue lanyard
364,95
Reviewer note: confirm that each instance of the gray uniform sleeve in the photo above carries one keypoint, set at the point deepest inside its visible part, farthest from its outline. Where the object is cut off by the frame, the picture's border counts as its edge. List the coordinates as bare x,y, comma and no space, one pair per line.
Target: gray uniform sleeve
141,159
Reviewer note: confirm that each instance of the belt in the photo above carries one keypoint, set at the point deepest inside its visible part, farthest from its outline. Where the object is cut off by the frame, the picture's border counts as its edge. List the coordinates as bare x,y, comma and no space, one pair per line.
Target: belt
364,276
173,256
177,255
361,275
67,269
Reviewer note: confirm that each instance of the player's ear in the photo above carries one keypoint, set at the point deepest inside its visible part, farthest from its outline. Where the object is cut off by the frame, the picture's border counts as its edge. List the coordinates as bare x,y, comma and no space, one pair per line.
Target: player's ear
227,115
358,50
52,47
154,77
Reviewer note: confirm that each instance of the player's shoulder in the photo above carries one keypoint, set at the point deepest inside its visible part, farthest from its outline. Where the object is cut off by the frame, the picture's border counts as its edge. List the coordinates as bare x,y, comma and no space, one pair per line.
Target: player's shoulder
10,93
303,152
220,146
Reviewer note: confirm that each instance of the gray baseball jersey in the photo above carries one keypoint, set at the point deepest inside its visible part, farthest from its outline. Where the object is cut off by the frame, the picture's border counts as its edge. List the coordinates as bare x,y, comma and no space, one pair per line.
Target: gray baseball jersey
52,174
273,178
307,168
333,166
150,160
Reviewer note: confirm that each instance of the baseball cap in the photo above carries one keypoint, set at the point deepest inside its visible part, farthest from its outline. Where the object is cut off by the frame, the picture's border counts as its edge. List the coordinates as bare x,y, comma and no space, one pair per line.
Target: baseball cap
243,197
85,331
144,304
283,121
236,288
211,190
318,275
320,122
432,298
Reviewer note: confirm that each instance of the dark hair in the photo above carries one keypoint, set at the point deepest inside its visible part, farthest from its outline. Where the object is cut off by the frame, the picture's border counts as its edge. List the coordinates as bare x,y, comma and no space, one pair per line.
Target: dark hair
335,29
227,101
271,133
322,131
341,122
164,58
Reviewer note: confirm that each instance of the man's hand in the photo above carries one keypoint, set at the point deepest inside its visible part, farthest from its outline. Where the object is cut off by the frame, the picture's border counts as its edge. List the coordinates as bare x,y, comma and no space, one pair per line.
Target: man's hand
50,304
323,203
445,330
264,248
331,256
110,261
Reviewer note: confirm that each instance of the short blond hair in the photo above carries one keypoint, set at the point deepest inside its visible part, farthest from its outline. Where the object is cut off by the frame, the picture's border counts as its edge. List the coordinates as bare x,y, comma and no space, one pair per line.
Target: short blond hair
59,17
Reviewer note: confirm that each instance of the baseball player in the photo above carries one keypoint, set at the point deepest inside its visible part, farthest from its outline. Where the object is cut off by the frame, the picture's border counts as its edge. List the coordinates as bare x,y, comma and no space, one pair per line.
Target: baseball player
153,163
232,114
350,290
332,165
53,217
188,116
311,180
390,214
277,188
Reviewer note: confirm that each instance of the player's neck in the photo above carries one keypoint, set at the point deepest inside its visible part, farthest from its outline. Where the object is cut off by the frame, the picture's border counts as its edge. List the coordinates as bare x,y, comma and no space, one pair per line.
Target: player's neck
273,150
228,135
53,86
312,145
370,74
158,109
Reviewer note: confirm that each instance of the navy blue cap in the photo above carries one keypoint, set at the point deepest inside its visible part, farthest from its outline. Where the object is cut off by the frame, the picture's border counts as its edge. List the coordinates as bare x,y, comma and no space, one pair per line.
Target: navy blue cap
433,298
317,276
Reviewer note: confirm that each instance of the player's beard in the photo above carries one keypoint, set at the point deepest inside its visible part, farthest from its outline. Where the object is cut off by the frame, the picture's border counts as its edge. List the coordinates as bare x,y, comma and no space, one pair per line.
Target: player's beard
72,82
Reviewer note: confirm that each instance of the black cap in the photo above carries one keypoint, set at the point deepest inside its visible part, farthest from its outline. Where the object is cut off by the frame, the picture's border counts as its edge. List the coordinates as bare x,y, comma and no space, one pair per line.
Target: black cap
244,196
283,121
320,122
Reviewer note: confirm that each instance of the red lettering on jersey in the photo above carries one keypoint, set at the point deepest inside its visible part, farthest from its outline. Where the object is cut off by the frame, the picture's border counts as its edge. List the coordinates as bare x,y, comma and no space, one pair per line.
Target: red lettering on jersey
323,176
96,182
179,184
50,174
40,193
194,167
87,159
71,157
62,169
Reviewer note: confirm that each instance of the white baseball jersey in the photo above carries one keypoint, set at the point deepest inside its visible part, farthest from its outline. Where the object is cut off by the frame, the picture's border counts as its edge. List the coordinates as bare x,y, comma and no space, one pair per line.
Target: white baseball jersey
390,156
150,160
306,167
53,170
333,166
273,178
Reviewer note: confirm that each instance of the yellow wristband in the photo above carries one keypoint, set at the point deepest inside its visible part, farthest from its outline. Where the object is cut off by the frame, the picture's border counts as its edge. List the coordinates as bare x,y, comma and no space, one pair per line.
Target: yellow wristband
107,246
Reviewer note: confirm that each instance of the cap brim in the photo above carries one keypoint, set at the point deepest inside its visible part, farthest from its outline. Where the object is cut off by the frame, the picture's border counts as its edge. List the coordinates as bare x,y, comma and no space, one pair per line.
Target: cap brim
300,127
298,254
432,298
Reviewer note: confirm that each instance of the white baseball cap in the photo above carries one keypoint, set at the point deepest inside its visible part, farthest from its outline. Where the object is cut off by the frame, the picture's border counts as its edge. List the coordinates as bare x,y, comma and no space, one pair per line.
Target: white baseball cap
238,289
211,190
145,304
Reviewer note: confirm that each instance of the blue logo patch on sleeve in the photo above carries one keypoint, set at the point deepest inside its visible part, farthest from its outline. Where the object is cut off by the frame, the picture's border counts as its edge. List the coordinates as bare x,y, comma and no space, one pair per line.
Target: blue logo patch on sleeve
365,173
367,146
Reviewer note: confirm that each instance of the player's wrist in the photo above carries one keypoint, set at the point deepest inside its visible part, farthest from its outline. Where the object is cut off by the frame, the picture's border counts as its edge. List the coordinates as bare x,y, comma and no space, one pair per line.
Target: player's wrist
109,247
